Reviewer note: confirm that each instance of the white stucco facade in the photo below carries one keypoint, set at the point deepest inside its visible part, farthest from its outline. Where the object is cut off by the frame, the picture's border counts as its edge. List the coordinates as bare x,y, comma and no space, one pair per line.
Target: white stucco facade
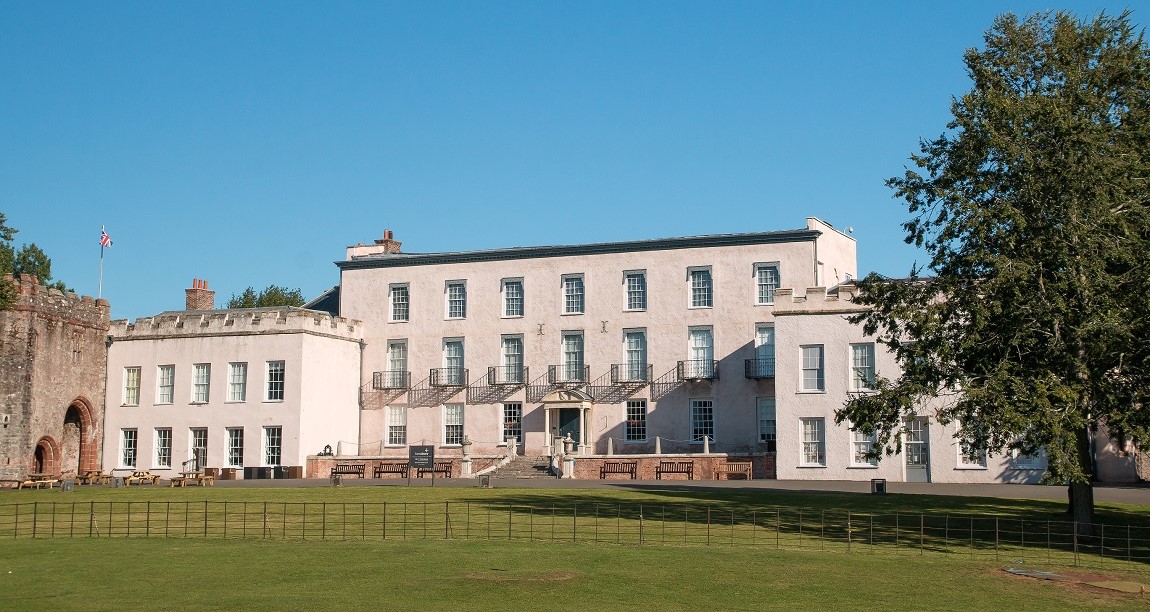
266,372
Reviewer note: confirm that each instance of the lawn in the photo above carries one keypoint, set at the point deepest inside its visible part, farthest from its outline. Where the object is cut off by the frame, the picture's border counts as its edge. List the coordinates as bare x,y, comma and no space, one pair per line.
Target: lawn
419,547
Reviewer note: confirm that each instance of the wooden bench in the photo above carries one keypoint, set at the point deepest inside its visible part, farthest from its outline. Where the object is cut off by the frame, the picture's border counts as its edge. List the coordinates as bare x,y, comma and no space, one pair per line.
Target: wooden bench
202,480
443,468
38,483
733,468
619,467
675,467
402,468
142,478
348,469
94,477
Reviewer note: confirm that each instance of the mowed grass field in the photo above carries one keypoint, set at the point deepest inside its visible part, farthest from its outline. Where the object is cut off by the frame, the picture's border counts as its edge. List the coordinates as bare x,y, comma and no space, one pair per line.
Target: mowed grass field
83,573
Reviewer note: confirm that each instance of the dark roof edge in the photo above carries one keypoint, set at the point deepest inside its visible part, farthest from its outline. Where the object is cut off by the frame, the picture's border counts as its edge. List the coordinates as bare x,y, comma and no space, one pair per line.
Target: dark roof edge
660,244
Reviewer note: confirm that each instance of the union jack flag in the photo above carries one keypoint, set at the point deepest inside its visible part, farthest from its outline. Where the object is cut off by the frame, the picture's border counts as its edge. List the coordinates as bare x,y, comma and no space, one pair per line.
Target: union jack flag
105,240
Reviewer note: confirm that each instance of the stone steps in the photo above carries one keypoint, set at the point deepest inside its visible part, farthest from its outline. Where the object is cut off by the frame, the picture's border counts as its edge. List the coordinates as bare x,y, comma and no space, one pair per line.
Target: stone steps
525,468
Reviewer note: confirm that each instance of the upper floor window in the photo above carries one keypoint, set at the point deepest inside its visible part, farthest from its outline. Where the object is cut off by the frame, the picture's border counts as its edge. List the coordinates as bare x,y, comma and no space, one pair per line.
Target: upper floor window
862,367
275,389
636,284
238,381
513,297
457,299
400,302
132,386
201,382
766,281
701,290
813,379
573,294
165,384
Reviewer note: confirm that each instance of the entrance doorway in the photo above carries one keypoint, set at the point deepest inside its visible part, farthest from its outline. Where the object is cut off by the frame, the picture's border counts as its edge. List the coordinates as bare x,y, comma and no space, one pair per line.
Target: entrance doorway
917,450
569,424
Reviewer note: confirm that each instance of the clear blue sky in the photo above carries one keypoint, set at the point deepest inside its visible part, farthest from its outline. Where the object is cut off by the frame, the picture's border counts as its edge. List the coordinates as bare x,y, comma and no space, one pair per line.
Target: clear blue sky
248,143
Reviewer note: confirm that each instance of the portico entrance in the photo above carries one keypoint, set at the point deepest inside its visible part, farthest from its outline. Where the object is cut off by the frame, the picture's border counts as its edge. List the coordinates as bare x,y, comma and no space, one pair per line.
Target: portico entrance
567,413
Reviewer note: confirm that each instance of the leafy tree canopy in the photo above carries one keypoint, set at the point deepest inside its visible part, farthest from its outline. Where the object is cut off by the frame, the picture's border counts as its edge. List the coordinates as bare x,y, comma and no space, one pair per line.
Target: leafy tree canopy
1030,326
273,295
29,259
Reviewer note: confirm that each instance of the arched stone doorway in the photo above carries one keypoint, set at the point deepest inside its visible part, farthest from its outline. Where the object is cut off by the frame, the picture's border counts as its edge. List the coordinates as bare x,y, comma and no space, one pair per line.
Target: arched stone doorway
46,458
77,453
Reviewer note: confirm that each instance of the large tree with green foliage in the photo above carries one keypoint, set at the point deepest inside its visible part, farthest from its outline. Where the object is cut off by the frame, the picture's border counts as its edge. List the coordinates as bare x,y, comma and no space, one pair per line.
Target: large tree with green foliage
7,259
28,259
273,295
1030,325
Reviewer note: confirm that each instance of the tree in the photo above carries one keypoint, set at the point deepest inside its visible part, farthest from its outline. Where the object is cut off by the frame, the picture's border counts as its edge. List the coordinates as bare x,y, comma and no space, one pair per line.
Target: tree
7,259
1029,327
274,295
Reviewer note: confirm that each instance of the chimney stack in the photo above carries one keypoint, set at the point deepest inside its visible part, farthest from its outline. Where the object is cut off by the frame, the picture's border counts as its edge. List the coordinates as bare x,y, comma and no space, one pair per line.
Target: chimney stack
390,244
199,297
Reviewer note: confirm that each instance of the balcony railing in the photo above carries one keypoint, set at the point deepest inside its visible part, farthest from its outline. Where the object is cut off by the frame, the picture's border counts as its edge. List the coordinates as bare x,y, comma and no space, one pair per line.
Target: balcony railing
568,374
448,377
507,375
763,367
390,379
698,369
631,373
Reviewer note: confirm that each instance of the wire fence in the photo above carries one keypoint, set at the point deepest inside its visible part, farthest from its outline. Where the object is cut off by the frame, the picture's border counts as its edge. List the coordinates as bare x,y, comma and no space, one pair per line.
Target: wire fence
1016,539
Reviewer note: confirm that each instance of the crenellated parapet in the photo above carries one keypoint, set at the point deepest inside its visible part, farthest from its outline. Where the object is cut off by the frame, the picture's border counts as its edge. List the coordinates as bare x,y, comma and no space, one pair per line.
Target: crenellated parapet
817,300
51,303
237,321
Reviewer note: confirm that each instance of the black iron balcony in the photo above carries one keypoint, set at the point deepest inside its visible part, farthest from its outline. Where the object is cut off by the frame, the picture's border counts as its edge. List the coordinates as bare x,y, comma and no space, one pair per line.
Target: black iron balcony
448,377
568,374
698,369
763,367
507,375
631,373
390,379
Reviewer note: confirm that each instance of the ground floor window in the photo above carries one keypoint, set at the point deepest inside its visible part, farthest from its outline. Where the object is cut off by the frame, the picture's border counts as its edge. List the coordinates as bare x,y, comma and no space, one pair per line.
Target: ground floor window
453,424
702,420
273,445
636,430
198,446
767,423
814,449
397,425
863,444
513,421
163,447
235,447
128,447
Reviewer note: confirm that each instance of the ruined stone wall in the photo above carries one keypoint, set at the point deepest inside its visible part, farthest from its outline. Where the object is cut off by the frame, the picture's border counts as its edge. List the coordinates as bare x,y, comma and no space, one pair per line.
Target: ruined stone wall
52,375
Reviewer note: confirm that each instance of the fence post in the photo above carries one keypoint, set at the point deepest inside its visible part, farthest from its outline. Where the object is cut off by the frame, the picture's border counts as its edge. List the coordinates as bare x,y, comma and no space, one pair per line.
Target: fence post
996,538
972,536
946,533
754,525
53,531
640,524
848,530
508,521
447,520
896,532
148,519
1102,543
384,521
205,518
574,520
708,525
225,517
1075,526
1127,541
323,522
777,527
921,536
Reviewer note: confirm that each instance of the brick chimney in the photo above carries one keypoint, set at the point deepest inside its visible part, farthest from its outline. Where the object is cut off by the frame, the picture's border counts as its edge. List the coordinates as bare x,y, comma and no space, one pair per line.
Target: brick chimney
389,243
199,297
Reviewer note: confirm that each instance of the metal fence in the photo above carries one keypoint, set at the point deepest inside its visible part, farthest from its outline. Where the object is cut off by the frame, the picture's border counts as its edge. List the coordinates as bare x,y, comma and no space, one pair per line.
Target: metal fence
1019,539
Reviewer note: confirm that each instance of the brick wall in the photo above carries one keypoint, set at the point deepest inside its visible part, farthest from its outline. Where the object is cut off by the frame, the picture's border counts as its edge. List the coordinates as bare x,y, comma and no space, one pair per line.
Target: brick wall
587,468
320,467
52,368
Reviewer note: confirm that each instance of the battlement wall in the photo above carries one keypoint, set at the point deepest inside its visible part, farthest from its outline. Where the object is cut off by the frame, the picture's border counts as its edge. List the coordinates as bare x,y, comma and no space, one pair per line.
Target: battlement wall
51,303
238,321
816,300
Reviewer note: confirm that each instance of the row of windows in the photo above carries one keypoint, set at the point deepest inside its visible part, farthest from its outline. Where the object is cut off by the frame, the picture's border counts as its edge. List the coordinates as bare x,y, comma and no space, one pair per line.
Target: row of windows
699,279
237,385
862,374
198,445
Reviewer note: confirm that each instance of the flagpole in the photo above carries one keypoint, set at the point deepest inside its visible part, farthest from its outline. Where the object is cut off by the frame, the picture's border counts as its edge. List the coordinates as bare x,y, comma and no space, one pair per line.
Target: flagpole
100,287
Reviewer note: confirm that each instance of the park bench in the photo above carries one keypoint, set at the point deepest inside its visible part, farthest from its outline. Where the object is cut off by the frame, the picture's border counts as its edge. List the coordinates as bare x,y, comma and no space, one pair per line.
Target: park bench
38,483
675,467
202,480
733,468
94,477
402,468
143,477
348,469
618,467
443,468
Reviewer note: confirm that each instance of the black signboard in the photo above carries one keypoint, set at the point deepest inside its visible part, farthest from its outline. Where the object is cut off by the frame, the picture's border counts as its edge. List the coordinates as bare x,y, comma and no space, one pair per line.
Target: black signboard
421,457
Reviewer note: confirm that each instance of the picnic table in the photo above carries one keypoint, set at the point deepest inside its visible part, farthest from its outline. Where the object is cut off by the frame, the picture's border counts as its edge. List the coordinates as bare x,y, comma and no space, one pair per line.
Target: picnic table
37,481
199,478
94,477
141,477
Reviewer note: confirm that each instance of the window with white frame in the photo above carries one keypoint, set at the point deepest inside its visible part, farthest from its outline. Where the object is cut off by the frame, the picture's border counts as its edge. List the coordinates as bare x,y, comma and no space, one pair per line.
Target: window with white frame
128,446
165,384
198,445
813,379
635,344
513,421
862,443
702,353
765,350
456,299
702,420
573,294
273,445
862,367
453,424
132,386
275,387
636,284
636,429
1028,461
163,457
513,297
400,302
453,362
396,364
201,382
701,290
814,443
397,425
235,447
573,356
766,282
512,359
238,381
970,456
766,408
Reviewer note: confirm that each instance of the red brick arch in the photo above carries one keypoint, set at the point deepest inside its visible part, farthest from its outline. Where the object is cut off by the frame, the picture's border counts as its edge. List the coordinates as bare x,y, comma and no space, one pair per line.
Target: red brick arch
89,445
46,457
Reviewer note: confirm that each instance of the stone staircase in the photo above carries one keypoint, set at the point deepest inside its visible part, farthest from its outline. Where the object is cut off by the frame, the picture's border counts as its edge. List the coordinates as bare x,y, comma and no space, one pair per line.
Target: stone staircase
524,467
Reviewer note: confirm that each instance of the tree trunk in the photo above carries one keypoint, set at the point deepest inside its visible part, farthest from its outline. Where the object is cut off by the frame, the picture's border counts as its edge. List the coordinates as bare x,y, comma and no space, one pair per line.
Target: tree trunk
1081,494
